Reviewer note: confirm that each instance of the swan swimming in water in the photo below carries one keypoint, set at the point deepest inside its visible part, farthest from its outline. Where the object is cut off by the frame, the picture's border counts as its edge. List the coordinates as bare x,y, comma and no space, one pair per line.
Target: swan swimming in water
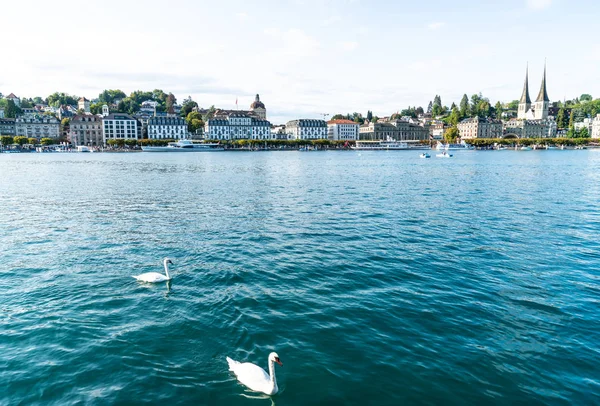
254,377
153,277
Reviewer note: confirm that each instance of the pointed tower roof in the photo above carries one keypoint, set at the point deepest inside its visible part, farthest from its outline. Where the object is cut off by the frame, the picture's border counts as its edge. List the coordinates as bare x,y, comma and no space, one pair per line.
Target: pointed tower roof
525,96
543,95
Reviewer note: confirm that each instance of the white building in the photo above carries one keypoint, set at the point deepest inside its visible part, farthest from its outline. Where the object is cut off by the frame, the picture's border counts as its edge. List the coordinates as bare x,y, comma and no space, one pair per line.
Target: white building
148,106
86,129
83,104
163,128
15,99
596,127
119,126
37,127
237,126
342,130
477,127
586,123
529,128
306,129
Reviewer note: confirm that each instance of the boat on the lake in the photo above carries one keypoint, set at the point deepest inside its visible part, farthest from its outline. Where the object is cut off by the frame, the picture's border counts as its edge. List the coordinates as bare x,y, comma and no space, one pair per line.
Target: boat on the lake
185,146
447,147
390,145
424,155
444,154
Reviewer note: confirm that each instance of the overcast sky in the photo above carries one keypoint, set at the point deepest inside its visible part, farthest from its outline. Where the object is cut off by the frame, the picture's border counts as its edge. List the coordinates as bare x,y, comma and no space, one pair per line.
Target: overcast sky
304,57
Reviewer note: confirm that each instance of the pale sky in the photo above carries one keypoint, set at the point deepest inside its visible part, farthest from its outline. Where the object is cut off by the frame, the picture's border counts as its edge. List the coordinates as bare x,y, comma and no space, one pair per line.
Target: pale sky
304,57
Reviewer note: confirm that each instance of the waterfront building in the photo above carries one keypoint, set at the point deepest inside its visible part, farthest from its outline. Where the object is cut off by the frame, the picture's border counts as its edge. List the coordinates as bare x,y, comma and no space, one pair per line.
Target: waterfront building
306,129
586,123
236,126
342,130
160,128
15,99
7,126
377,131
596,127
119,126
148,106
86,129
258,108
539,110
436,130
477,127
529,129
409,131
37,127
83,104
278,132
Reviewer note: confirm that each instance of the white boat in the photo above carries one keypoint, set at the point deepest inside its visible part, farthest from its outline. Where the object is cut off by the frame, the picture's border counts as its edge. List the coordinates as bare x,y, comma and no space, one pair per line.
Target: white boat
447,147
83,148
424,155
525,148
444,154
185,146
380,145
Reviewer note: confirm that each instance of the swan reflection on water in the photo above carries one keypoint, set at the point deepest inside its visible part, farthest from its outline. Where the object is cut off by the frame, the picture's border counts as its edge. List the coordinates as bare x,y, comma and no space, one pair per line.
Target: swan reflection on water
259,397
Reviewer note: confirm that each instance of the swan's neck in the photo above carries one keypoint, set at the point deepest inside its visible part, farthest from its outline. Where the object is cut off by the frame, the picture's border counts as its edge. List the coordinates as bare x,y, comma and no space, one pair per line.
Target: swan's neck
167,270
272,373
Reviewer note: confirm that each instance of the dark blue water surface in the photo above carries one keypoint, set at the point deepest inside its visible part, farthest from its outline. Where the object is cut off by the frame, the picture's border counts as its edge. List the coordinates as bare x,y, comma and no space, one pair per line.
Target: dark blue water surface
378,277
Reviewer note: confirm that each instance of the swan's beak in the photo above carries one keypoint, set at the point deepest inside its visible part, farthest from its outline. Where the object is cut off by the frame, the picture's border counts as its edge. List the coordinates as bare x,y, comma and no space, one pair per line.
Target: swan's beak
278,361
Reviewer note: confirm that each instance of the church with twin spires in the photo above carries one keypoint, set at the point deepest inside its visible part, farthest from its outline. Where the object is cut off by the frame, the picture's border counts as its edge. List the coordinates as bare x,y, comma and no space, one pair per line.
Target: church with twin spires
537,110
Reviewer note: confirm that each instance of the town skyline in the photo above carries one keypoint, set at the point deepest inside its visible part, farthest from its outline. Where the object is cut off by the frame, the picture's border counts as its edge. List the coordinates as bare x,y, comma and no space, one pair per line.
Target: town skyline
306,58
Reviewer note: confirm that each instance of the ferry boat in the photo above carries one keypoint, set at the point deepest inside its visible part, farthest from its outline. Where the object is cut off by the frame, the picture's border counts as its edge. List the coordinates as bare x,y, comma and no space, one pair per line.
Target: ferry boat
380,145
447,147
185,146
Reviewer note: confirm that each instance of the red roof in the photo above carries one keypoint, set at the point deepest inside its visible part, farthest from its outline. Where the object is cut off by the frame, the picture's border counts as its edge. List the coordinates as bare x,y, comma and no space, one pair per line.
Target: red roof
341,121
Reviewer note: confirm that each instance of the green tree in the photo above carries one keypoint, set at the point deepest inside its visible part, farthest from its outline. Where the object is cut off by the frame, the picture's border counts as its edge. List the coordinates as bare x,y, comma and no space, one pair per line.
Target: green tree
561,120
369,115
21,140
499,110
451,134
454,117
572,119
464,106
57,99
109,96
584,133
11,110
585,98
209,114
6,140
187,106
338,117
38,100
194,121
513,105
32,141
26,104
46,141
65,122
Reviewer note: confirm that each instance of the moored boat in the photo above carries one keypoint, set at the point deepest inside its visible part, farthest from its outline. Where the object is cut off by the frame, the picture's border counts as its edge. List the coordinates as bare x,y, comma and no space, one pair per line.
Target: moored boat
424,155
185,146
380,145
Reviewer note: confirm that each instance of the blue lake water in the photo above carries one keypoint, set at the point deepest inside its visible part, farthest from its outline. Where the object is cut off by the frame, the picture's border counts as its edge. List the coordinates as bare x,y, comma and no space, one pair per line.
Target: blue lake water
378,277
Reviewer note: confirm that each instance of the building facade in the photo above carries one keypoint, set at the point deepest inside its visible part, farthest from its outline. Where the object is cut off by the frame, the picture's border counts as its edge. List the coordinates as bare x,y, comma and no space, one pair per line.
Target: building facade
237,126
163,128
342,130
15,99
477,127
37,127
306,129
377,131
529,129
86,129
83,104
7,126
410,131
118,126
258,108
596,127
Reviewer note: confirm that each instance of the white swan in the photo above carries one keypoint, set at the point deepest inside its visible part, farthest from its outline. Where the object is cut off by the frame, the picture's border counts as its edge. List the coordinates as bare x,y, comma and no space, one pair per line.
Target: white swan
153,277
255,377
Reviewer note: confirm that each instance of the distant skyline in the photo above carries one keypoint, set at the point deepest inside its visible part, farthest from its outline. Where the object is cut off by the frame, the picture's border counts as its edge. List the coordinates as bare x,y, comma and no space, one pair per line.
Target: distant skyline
304,57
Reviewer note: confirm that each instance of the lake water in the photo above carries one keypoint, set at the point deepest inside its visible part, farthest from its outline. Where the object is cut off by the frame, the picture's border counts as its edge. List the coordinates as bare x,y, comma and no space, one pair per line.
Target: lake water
378,277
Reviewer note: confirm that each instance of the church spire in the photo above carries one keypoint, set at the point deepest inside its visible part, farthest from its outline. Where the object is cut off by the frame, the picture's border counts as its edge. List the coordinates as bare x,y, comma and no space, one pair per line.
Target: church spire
525,96
543,95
